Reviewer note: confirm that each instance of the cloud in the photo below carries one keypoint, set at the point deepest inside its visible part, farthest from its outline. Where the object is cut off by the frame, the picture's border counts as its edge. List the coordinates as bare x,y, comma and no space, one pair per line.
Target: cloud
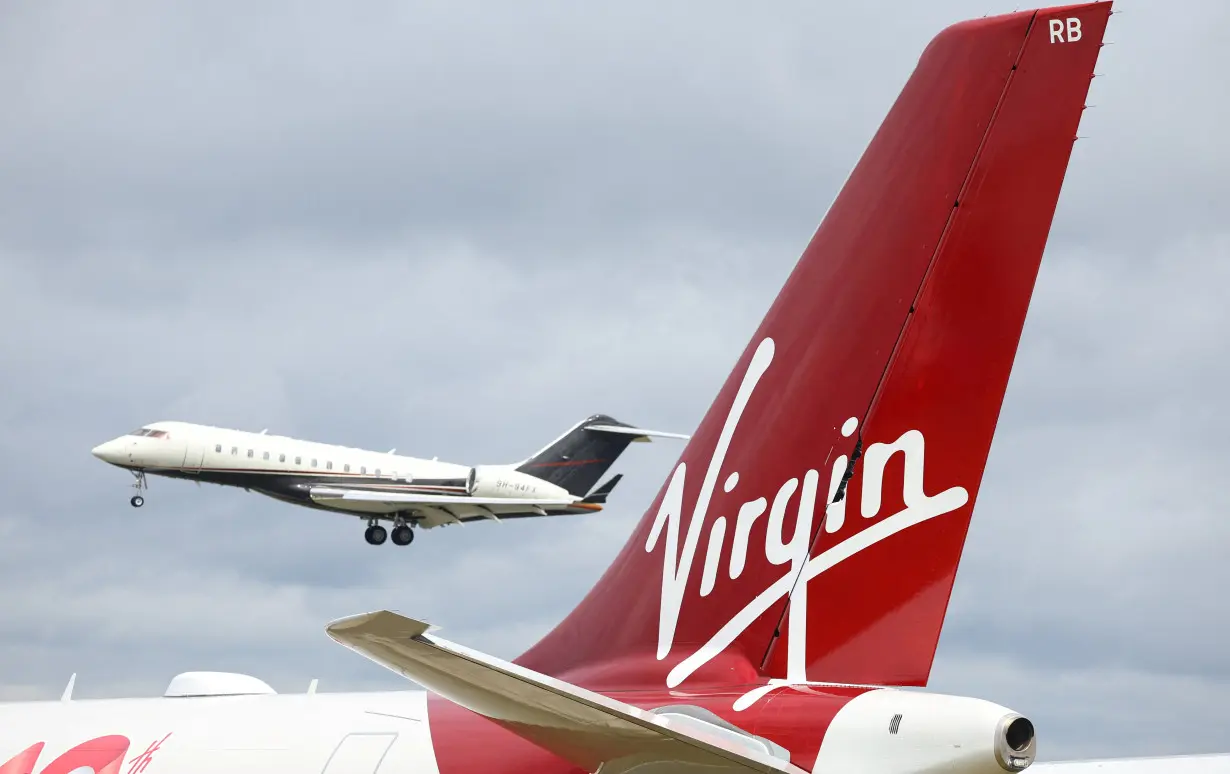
1104,721
457,228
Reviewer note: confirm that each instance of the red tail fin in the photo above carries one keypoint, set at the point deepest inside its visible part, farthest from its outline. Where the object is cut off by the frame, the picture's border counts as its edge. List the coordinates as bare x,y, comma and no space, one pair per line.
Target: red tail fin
896,331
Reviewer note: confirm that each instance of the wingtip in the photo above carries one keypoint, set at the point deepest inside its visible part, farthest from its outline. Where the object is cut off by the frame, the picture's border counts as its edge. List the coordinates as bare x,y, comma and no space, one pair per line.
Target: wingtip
381,623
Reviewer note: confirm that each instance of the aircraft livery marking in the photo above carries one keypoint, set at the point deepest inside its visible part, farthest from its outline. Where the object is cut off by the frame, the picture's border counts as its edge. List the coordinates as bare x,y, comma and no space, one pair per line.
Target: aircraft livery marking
138,764
102,755
677,566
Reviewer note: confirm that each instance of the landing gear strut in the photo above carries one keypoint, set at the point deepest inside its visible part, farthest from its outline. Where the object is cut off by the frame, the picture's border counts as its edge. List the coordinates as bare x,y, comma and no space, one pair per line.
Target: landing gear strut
137,500
403,535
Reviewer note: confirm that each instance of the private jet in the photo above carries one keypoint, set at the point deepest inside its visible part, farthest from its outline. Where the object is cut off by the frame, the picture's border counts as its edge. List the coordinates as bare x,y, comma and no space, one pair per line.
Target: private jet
406,491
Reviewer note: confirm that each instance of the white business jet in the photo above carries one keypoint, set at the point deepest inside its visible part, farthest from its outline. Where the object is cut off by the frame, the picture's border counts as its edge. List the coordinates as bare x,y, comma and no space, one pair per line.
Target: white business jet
409,492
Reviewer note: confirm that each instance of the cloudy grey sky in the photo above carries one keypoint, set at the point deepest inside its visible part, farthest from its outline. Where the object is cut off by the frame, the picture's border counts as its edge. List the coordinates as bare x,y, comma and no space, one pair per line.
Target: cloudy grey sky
458,227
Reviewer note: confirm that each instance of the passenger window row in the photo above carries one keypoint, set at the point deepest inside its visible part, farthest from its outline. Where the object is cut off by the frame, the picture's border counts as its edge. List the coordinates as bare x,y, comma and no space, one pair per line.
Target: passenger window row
299,461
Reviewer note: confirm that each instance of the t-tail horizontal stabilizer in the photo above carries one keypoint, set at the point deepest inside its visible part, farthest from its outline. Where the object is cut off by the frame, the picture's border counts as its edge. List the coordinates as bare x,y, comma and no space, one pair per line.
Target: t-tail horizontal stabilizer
641,433
587,729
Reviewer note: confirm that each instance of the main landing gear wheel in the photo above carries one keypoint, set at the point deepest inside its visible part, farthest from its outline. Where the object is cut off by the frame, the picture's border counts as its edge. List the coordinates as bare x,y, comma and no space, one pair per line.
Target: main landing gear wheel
376,534
402,535
137,501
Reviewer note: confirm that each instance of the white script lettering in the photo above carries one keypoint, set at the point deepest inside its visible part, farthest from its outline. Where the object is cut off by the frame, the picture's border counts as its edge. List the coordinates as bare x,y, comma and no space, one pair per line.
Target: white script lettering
779,549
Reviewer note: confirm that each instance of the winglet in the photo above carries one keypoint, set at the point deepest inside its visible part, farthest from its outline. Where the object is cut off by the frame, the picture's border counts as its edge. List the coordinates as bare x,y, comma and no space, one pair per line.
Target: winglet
68,689
382,624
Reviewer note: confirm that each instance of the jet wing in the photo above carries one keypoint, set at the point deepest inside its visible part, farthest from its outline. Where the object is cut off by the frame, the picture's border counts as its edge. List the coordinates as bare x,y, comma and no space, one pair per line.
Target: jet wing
585,728
378,501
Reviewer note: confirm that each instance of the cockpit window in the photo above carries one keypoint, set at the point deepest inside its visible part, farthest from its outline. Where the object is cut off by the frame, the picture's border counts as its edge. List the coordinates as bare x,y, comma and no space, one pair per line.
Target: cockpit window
145,431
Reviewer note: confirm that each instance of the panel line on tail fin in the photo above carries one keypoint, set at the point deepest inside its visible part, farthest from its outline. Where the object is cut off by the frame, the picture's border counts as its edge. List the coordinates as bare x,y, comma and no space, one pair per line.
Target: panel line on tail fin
857,452
945,232
968,313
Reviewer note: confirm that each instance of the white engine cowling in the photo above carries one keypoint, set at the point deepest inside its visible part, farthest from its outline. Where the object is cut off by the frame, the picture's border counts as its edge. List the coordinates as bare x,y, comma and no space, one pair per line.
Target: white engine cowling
896,731
501,481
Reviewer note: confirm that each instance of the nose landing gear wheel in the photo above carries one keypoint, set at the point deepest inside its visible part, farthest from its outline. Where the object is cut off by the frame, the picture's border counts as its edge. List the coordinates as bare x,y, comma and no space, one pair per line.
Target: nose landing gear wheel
137,500
402,535
375,534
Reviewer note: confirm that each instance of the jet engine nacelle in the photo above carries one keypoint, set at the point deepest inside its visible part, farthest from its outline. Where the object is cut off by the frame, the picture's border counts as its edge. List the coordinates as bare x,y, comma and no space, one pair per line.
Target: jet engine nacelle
503,481
891,730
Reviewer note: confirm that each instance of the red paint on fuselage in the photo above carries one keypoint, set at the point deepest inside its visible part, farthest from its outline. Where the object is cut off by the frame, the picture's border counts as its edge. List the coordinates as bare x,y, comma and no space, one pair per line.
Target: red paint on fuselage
102,755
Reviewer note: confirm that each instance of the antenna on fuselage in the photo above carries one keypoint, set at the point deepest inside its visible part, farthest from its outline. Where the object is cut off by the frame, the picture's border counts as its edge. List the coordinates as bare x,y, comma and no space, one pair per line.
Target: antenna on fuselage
68,689
262,432
390,451
312,686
